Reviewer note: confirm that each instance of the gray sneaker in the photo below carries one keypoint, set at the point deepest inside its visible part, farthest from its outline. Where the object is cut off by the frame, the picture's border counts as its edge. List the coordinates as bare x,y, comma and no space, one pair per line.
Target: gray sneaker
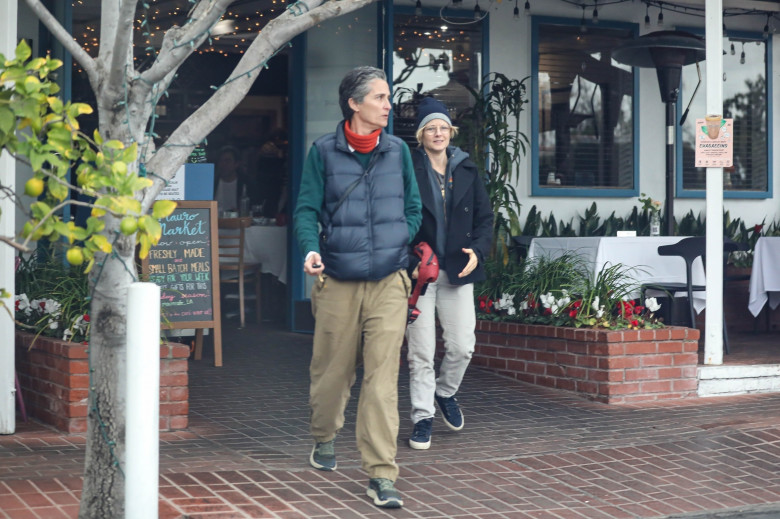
323,456
383,493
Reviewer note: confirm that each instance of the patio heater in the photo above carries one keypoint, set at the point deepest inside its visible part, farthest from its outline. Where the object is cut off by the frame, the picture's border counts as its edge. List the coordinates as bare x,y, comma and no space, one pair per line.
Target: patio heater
668,52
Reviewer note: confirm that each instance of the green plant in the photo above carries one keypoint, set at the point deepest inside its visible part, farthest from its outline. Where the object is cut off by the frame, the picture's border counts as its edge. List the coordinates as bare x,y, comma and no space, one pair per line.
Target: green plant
559,292
52,298
491,134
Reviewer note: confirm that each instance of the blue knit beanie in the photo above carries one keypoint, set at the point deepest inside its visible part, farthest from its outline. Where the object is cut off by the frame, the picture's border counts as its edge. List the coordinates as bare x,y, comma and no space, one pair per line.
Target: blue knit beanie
430,109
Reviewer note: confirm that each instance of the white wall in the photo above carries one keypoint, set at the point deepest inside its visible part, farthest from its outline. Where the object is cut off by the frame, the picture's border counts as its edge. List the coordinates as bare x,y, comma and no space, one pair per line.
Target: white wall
510,54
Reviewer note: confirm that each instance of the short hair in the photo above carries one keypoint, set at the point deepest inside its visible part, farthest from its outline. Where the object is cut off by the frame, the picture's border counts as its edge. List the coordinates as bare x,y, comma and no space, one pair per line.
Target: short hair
355,85
418,134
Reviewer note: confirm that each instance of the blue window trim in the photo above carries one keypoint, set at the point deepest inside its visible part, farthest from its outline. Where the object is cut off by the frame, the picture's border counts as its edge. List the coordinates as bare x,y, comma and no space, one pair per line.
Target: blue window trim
538,189
678,148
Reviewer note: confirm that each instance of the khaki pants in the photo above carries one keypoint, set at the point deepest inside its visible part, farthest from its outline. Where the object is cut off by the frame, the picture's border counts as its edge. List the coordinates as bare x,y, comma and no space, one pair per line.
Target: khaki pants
359,321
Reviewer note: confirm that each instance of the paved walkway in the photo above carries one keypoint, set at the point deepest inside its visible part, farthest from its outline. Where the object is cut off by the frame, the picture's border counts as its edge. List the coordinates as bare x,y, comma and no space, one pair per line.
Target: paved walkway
525,453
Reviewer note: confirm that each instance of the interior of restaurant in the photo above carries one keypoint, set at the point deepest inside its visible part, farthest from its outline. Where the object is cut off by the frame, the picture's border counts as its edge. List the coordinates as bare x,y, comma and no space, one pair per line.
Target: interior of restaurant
255,133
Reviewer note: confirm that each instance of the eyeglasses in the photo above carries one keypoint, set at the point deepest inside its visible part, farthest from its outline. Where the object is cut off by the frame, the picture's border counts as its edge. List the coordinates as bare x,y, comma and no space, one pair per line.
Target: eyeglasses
433,130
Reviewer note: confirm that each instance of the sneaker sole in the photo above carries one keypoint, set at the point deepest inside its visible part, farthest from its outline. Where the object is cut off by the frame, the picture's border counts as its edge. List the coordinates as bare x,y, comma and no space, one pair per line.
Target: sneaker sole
420,446
448,424
387,503
319,466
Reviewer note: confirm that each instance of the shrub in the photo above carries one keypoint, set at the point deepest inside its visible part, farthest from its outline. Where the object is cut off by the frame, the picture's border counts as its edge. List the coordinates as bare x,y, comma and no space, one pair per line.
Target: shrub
52,299
560,292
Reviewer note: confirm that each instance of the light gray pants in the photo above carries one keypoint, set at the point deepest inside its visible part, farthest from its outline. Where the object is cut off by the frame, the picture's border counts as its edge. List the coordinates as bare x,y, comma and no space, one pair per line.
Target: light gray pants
454,304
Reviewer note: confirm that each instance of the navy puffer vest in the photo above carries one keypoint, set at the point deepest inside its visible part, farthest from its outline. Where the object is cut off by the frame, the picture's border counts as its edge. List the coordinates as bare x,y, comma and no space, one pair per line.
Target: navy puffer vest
367,236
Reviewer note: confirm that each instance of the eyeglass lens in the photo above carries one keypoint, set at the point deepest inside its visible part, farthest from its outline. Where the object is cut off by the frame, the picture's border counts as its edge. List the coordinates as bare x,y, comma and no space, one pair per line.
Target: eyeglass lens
432,130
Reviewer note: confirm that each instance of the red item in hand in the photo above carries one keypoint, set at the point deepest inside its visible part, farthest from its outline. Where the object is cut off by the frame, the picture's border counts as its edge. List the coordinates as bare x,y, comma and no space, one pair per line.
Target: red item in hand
428,271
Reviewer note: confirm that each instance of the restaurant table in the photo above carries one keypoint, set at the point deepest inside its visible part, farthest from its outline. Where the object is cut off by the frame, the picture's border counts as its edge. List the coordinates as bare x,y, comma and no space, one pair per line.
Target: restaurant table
640,253
267,245
765,275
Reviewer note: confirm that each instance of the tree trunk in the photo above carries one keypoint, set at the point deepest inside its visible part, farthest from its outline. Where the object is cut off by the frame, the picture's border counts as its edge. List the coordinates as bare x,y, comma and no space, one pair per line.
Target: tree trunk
104,485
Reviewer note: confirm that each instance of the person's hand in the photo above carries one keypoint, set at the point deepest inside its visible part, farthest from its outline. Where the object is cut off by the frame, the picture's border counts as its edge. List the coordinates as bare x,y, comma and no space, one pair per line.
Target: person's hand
313,266
416,272
471,265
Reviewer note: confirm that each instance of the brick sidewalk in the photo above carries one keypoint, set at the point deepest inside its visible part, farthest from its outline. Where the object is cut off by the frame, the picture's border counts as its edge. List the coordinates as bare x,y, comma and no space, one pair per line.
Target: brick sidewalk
525,452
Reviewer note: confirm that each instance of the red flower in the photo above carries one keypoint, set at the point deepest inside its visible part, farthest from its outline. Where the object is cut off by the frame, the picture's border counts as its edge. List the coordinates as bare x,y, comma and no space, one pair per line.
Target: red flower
578,303
548,311
482,304
638,309
42,304
572,313
634,323
757,228
16,305
86,318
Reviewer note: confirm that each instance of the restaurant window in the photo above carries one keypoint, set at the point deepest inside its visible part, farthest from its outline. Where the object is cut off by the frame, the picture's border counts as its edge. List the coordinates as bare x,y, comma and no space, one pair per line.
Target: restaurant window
745,94
437,56
584,104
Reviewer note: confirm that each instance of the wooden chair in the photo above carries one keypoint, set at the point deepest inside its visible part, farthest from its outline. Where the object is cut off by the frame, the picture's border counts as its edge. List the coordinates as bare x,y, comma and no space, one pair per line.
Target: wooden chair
232,267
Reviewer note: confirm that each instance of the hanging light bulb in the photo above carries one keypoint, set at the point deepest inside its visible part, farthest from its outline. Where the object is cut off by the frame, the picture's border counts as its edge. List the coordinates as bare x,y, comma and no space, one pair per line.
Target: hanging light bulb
477,11
742,56
724,77
583,28
647,17
661,17
595,12
527,8
516,11
418,8
766,28
733,50
725,31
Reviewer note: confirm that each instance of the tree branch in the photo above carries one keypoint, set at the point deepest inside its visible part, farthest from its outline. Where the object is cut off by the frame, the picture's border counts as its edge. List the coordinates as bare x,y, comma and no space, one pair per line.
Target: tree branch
271,38
180,42
122,54
67,41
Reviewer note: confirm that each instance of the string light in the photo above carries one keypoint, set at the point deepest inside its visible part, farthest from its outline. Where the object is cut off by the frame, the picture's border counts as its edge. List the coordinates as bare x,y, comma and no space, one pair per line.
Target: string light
583,28
661,16
766,27
418,8
742,56
595,11
516,11
733,50
647,16
527,8
477,11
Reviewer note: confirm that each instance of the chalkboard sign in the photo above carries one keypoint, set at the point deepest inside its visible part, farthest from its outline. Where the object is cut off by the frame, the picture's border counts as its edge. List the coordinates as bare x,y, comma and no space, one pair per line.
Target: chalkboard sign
185,264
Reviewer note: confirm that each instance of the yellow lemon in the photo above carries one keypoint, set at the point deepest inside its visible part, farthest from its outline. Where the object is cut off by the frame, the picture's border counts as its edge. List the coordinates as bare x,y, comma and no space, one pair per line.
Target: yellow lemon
75,256
33,187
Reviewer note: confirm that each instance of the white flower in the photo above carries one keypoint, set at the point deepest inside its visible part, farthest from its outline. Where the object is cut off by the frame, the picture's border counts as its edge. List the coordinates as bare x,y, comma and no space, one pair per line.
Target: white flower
524,305
600,312
511,310
547,300
652,304
595,304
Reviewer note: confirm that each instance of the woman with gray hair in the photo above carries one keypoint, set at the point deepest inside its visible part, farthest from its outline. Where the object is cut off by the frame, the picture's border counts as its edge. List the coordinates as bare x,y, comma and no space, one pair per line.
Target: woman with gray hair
457,223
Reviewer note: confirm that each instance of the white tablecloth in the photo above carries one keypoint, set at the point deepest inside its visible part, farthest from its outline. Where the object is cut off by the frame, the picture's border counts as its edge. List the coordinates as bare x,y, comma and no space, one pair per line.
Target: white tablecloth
765,275
267,244
640,253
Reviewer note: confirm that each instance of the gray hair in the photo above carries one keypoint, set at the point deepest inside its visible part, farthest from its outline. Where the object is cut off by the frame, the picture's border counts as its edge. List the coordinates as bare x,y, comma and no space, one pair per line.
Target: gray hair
355,85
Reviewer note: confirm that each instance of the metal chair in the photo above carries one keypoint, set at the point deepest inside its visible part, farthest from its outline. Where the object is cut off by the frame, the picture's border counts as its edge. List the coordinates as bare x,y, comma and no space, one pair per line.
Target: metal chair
688,249
232,267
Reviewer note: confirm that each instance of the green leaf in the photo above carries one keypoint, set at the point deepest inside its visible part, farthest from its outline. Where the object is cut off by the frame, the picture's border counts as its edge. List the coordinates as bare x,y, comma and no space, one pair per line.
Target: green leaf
163,208
23,51
7,119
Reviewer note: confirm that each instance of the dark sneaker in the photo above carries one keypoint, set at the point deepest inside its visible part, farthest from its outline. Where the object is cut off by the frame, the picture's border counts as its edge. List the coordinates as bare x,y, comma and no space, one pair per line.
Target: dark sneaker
450,411
421,434
323,456
383,493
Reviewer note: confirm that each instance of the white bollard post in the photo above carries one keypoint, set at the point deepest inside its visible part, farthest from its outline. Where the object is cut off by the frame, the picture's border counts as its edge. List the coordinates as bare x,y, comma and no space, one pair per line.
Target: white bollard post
142,435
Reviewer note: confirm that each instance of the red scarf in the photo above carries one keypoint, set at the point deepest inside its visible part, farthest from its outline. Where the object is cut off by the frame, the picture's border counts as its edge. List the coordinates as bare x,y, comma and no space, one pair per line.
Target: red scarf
361,143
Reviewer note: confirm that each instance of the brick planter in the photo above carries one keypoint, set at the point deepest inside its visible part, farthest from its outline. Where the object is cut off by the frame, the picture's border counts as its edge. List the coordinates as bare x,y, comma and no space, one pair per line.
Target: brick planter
54,376
614,367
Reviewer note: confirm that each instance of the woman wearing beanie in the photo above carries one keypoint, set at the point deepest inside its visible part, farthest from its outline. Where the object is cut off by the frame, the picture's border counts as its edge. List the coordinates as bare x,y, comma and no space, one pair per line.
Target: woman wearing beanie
457,223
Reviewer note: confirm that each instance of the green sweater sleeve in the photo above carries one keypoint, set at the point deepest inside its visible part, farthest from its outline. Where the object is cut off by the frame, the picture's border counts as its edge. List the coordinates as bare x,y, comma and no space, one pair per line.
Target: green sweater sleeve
307,209
412,202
